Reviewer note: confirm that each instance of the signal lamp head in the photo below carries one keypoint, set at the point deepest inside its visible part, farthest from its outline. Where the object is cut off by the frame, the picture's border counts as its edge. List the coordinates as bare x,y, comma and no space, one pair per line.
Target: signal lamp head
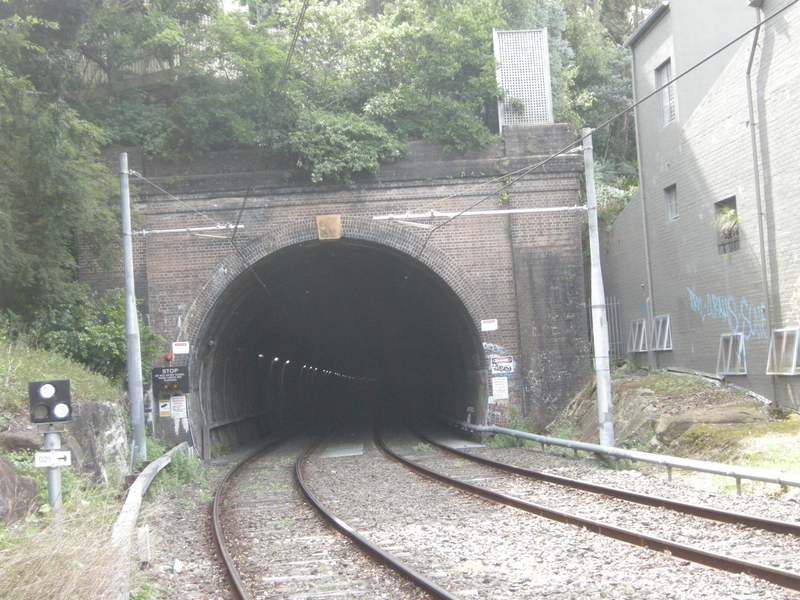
50,401
169,357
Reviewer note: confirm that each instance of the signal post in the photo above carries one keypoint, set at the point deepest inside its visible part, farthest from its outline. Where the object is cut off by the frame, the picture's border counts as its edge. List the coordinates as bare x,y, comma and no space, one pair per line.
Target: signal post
51,408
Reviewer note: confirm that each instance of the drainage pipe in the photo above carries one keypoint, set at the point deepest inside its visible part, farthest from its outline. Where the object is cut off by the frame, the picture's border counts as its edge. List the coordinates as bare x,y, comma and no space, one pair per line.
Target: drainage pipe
756,176
651,357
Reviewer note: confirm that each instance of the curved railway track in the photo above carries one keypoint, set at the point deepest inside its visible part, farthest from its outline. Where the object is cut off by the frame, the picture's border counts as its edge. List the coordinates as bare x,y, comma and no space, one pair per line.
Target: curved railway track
717,560
429,533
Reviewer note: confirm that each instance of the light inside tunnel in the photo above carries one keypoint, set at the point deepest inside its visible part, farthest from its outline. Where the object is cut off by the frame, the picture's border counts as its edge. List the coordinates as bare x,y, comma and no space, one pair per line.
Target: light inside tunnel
348,322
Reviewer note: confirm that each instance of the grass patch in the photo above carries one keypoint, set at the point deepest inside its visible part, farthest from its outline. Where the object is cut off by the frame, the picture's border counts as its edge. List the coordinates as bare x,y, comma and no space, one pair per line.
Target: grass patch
668,384
62,556
19,364
769,445
421,447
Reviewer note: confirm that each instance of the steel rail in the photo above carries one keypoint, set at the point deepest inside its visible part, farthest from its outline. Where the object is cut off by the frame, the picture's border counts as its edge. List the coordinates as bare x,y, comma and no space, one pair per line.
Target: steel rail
705,512
366,545
709,559
219,539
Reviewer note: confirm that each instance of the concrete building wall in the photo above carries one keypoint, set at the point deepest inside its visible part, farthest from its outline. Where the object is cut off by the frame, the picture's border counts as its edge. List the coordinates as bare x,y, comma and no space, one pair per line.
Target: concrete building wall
709,160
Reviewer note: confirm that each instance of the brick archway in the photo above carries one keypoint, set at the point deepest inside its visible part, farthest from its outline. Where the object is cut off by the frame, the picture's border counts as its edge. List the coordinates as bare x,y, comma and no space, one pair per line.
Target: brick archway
353,227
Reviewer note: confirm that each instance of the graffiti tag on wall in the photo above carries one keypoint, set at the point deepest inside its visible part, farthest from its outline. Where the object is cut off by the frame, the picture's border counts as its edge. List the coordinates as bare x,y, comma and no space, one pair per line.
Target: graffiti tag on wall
742,317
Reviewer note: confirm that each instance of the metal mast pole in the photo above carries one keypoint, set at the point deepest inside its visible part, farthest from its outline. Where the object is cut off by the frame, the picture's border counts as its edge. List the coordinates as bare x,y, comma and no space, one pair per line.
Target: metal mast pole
602,364
134,353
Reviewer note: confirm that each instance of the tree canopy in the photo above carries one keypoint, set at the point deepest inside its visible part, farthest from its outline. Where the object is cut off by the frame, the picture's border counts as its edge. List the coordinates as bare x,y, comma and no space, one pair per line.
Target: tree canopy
336,86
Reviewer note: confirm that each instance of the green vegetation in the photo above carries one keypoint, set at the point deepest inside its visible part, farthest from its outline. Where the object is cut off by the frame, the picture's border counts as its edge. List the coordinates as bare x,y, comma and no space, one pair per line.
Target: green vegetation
421,447
182,470
21,363
63,557
90,331
519,423
219,449
337,91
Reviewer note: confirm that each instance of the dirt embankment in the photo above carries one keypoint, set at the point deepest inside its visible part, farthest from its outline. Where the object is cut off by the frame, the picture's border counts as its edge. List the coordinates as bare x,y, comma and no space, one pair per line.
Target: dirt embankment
685,415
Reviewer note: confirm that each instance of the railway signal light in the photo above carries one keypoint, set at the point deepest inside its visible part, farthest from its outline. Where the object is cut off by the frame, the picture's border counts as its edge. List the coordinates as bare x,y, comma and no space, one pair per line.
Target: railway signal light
50,401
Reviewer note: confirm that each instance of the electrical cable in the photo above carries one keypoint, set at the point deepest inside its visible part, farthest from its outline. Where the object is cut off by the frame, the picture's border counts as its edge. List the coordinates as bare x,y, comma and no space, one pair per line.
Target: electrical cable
143,178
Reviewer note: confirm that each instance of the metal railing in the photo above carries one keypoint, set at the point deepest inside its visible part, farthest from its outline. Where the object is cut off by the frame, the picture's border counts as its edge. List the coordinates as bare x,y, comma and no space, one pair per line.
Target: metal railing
670,462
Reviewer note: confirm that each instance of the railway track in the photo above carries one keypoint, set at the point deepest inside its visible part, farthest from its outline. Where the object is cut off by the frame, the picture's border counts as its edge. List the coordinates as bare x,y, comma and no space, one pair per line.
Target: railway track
275,546
462,546
646,526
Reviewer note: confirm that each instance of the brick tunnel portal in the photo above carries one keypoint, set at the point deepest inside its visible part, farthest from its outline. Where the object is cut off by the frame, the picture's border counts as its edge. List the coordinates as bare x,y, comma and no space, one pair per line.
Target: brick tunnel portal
322,325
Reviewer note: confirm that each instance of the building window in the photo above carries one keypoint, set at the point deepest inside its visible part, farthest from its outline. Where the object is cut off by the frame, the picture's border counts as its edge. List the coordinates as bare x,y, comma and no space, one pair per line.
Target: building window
783,355
671,198
731,358
727,221
662,334
667,94
637,338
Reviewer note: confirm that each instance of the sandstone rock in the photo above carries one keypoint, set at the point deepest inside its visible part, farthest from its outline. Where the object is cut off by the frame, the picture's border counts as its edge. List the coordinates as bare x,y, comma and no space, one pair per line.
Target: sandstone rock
670,428
634,417
18,494
96,436
27,439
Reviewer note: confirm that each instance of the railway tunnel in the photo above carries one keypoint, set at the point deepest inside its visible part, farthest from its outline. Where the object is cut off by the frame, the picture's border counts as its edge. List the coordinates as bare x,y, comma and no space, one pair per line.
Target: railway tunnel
320,328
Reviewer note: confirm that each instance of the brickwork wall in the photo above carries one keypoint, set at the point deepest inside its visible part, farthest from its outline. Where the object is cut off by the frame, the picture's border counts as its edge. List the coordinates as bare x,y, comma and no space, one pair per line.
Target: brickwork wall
705,293
524,270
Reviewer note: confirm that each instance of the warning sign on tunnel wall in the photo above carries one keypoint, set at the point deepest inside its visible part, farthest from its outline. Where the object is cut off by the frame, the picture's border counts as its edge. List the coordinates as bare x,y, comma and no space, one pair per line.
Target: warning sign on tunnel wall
502,364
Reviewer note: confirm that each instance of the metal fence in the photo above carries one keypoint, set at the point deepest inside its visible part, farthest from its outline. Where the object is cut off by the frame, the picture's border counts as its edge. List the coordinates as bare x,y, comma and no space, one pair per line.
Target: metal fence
616,343
94,75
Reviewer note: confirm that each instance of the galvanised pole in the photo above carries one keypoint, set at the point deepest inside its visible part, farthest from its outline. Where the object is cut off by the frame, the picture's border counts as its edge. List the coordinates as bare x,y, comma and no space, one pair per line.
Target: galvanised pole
135,394
602,365
52,441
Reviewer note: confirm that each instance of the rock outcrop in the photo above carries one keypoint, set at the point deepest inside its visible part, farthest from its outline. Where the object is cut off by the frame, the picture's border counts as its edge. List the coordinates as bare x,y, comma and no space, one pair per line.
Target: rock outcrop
18,494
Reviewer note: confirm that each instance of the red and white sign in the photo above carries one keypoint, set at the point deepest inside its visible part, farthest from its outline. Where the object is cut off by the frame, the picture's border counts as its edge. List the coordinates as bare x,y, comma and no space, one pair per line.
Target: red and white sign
489,325
180,347
502,364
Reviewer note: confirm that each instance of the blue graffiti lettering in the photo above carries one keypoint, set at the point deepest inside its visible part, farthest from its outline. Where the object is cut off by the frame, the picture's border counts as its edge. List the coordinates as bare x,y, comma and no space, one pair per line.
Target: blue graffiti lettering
743,318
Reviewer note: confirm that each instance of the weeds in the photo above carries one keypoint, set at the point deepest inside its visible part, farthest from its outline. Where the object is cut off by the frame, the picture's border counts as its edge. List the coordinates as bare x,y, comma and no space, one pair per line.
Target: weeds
422,447
181,470
65,555
517,422
219,449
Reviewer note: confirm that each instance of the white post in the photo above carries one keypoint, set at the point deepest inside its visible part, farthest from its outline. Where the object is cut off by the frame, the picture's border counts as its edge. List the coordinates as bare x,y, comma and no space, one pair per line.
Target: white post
602,364
134,353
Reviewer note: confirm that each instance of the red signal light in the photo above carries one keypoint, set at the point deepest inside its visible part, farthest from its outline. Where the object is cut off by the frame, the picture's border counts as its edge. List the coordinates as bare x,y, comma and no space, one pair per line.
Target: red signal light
169,356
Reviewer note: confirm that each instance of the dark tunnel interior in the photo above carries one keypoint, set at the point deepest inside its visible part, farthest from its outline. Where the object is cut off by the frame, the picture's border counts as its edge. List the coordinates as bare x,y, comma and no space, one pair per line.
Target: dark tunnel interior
322,326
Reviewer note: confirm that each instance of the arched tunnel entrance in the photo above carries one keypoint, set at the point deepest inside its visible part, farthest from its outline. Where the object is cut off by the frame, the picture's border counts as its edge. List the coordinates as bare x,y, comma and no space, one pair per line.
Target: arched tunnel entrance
321,327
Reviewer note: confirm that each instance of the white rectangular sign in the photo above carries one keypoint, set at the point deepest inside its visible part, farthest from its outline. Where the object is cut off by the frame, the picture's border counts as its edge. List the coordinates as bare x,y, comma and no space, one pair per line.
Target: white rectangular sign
54,458
489,325
499,388
178,407
502,364
180,347
164,409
